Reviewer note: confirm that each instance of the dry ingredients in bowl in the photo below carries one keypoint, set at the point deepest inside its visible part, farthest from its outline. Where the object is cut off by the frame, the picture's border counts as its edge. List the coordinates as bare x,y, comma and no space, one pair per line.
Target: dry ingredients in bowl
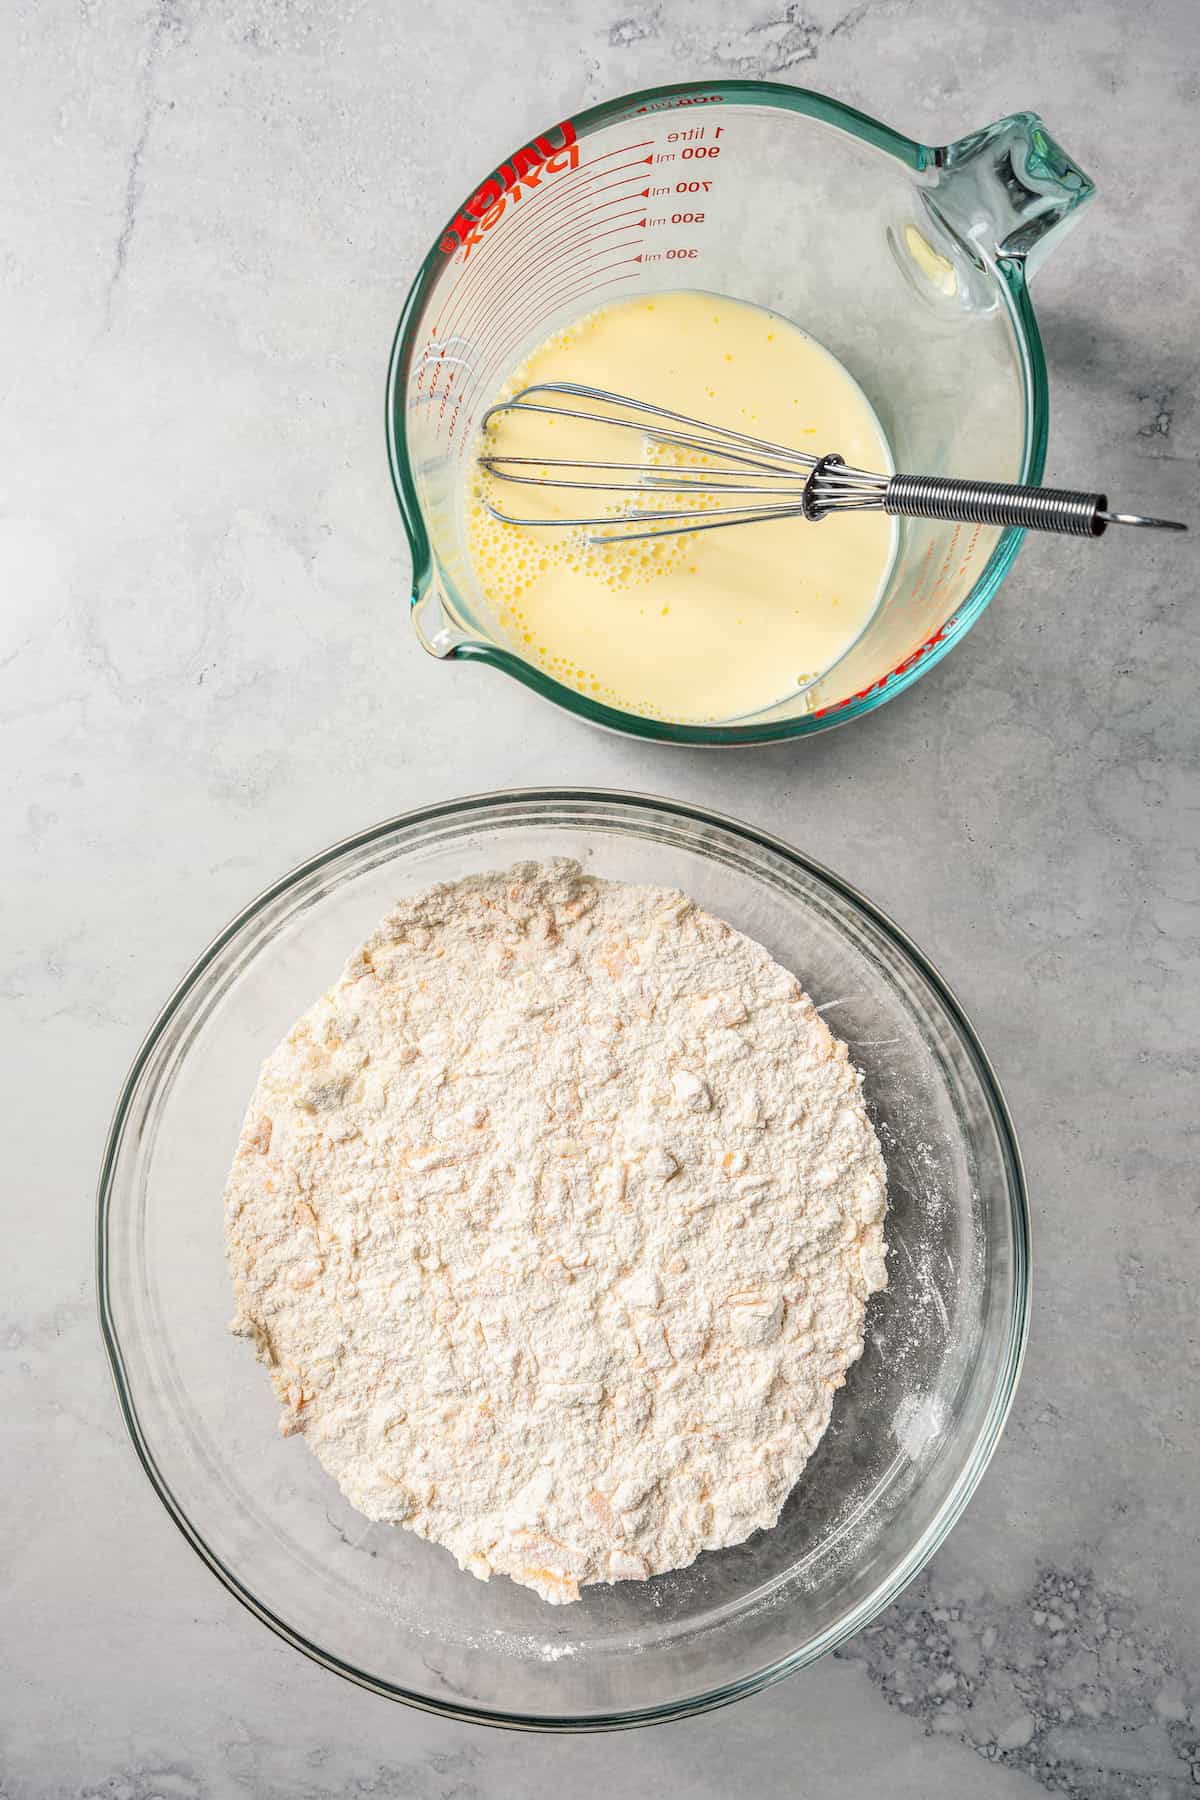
555,1221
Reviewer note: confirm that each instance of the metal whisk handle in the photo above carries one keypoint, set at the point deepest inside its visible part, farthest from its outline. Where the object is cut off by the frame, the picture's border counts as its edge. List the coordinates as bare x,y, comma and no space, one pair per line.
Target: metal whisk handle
743,479
997,503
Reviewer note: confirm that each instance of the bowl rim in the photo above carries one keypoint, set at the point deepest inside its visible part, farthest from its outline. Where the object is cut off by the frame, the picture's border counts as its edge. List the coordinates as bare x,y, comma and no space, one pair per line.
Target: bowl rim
988,1434
1013,290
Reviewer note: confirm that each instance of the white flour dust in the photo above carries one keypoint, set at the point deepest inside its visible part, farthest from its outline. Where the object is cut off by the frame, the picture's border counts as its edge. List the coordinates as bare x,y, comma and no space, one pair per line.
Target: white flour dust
555,1222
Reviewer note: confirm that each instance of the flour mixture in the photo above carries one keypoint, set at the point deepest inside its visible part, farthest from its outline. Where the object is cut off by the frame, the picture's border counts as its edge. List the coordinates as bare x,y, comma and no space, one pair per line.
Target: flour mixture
555,1221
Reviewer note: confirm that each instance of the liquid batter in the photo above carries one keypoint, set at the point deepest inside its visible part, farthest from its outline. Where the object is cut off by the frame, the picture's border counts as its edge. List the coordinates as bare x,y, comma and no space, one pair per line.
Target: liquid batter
706,625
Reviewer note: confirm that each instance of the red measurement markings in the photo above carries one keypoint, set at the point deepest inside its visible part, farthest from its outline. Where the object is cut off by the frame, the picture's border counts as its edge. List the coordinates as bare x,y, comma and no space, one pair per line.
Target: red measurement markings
544,252
498,324
670,105
527,249
522,260
499,269
576,179
542,303
535,211
539,238
568,207
944,571
480,290
589,286
516,274
536,260
969,552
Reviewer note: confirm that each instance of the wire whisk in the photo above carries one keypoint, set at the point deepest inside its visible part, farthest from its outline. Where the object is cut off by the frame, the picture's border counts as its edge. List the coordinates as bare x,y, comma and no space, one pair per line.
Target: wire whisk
752,480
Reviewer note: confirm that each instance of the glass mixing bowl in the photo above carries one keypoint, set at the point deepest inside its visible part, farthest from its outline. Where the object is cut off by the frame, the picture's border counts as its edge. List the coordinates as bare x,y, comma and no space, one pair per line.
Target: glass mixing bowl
912,1430
908,261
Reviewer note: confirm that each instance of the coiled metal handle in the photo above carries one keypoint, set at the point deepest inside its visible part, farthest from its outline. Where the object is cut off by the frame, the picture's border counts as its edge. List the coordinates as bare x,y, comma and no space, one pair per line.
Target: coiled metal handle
997,503
743,479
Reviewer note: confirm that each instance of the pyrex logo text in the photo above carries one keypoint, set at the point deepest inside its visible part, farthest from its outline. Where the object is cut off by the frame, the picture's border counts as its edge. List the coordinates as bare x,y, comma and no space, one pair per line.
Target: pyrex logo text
487,206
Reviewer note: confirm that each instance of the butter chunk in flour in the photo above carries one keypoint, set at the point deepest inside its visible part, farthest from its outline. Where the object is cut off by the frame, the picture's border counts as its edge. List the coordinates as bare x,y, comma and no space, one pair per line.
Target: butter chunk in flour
555,1221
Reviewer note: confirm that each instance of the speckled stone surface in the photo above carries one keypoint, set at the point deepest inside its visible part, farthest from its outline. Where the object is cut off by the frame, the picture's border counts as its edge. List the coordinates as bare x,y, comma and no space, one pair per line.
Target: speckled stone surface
208,218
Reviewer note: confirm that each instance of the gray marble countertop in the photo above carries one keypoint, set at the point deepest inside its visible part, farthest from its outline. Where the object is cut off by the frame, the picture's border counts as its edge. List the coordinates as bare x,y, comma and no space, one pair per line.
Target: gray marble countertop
208,218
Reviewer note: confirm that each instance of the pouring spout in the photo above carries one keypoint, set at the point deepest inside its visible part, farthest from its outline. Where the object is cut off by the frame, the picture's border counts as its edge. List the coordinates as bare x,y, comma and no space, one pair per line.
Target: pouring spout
436,631
1008,191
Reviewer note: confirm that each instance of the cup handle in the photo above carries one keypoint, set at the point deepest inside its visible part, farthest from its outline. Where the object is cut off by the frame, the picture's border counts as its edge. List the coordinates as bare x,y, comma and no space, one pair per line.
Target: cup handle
1008,191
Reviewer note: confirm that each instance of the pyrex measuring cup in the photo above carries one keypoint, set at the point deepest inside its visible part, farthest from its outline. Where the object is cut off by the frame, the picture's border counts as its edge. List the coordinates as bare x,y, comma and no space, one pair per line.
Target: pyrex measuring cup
909,263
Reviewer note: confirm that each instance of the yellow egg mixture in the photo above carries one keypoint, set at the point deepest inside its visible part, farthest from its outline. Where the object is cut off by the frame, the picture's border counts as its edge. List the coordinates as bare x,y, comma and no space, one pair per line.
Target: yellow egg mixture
706,625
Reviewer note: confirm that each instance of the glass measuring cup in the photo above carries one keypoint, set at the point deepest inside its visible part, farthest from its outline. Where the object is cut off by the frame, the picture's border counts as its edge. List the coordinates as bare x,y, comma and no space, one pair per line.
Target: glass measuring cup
910,263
